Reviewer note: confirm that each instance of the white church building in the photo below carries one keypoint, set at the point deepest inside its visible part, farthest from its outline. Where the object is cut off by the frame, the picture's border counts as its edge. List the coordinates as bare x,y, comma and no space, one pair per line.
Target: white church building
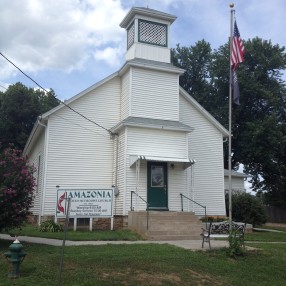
143,136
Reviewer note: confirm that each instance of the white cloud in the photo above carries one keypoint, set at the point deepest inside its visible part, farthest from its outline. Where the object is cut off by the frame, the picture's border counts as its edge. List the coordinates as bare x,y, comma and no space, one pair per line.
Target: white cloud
110,55
57,35
62,41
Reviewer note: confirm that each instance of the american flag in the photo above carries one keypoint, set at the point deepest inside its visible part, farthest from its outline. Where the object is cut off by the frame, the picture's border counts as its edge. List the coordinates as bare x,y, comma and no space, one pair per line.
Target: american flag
237,53
237,57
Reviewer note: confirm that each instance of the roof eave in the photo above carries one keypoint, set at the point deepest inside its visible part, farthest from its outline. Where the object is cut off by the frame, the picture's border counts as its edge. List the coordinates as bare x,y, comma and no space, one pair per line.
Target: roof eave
118,127
69,101
204,112
36,129
146,65
146,12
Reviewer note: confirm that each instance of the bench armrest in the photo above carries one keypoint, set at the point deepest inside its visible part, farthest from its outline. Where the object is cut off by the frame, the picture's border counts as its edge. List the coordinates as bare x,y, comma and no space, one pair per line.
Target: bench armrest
204,231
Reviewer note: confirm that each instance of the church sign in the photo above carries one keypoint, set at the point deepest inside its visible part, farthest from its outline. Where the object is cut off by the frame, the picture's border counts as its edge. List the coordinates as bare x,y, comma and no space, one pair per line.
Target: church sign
85,203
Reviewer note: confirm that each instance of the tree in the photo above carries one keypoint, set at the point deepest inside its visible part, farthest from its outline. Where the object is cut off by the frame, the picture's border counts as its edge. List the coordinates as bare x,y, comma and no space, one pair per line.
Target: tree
259,122
196,61
261,119
19,108
16,188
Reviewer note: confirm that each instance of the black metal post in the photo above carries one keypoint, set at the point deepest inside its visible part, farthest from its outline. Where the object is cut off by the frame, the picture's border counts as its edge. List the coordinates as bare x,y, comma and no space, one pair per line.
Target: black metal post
182,202
147,217
64,242
206,217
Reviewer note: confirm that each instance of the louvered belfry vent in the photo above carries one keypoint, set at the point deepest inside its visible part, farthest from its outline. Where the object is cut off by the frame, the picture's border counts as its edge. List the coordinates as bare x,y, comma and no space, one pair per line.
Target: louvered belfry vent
130,35
153,33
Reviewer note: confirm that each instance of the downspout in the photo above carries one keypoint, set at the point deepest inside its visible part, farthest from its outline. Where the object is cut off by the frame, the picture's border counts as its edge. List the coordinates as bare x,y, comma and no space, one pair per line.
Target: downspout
116,189
43,176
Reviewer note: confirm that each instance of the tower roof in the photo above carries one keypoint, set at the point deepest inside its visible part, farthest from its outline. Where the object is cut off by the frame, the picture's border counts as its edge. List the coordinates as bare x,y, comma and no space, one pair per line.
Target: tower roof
146,12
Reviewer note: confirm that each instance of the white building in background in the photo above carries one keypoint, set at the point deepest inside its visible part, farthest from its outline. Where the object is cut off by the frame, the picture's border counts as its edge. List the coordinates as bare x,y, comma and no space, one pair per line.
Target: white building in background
160,142
237,181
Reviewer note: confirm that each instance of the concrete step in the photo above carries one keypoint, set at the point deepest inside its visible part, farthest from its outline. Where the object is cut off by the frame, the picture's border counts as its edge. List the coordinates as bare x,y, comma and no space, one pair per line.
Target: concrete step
175,226
166,225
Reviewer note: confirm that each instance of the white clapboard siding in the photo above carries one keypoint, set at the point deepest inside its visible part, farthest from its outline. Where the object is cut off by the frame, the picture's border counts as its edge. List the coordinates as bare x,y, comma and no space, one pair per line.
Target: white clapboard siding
147,52
156,142
237,183
206,147
80,154
154,94
140,188
36,158
125,96
177,183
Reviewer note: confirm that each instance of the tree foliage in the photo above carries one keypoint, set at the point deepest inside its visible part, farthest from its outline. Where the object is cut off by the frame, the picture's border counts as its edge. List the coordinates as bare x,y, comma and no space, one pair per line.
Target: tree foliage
19,108
247,208
259,122
196,61
16,188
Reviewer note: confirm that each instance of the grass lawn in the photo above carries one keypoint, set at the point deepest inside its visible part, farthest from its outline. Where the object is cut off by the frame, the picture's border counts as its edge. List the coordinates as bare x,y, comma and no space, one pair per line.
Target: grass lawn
78,235
146,264
86,235
266,236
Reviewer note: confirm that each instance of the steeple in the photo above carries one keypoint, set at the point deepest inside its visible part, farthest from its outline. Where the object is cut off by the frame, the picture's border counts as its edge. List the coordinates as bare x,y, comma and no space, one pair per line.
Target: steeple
148,34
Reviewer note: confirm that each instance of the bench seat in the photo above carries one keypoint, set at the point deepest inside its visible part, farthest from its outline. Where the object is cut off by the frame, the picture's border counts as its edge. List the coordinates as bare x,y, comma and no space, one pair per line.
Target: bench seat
221,230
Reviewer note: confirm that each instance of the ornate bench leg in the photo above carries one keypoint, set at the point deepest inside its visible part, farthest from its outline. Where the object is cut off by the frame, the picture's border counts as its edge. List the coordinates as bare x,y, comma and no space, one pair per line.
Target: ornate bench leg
207,239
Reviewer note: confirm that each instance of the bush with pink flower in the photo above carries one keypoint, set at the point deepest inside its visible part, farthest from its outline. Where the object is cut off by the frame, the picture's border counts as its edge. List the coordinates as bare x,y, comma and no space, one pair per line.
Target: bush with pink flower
16,188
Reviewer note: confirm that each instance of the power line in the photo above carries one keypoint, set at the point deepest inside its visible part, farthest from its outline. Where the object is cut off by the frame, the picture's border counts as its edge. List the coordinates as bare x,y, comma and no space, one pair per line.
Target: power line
83,127
111,133
3,86
22,72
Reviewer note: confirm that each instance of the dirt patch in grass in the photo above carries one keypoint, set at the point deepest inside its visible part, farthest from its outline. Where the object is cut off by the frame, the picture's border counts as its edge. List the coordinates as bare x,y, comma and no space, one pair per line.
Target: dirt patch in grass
143,278
158,279
202,279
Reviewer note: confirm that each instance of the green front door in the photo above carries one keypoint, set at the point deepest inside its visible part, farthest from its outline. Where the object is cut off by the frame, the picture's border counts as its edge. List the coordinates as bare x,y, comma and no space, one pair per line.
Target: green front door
157,194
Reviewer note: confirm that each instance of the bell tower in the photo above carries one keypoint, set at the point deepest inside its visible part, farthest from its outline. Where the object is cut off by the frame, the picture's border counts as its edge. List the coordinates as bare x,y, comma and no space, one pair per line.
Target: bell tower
148,34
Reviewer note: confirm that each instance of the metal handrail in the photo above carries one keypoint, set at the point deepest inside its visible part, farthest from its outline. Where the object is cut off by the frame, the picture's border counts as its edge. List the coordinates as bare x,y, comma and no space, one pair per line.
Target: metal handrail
193,202
147,206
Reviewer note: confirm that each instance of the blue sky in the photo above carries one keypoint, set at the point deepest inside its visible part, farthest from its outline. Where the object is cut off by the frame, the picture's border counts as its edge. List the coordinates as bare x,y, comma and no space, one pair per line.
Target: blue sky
70,45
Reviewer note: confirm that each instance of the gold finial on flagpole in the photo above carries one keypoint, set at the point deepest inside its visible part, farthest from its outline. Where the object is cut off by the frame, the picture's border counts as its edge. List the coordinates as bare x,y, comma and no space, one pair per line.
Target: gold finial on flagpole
231,5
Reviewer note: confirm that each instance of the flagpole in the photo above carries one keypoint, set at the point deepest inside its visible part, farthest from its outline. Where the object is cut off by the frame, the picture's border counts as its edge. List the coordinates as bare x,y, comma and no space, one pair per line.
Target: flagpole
230,115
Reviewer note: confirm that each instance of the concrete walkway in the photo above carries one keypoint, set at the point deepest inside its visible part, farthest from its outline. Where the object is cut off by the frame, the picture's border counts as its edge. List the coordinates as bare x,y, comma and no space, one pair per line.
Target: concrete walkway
187,244
267,229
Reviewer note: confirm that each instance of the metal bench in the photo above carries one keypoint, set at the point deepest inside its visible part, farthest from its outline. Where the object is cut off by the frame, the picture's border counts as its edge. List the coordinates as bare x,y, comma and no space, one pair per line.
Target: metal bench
221,230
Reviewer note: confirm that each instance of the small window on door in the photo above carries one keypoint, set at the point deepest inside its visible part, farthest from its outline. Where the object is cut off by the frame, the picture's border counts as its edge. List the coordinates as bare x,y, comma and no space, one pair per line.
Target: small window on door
157,176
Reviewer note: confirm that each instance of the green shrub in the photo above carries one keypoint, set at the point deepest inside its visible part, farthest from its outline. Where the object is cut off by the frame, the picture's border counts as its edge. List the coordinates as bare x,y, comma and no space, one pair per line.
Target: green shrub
247,208
213,219
235,248
50,226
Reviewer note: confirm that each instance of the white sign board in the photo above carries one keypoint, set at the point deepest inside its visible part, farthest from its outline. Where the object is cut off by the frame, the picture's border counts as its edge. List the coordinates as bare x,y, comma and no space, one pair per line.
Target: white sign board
85,203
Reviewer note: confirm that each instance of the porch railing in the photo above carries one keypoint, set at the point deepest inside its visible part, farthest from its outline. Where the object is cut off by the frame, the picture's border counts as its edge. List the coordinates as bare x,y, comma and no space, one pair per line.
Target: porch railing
147,206
182,205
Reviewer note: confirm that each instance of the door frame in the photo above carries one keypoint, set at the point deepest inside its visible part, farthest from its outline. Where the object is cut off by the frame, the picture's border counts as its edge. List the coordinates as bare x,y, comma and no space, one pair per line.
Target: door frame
163,190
